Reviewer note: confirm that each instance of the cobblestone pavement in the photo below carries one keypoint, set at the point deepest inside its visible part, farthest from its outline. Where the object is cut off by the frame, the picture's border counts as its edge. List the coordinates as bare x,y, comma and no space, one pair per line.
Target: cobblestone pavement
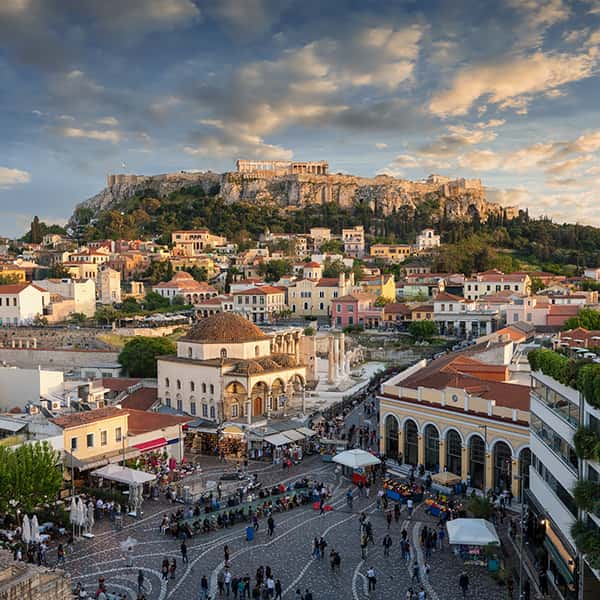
288,552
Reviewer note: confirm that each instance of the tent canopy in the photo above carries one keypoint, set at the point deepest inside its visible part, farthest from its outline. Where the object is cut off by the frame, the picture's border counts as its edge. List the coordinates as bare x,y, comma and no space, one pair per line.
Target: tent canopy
356,458
446,478
293,434
277,439
306,431
123,475
471,532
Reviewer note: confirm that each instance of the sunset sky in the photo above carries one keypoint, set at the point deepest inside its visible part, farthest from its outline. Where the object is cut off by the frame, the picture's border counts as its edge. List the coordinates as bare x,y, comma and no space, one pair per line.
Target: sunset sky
506,91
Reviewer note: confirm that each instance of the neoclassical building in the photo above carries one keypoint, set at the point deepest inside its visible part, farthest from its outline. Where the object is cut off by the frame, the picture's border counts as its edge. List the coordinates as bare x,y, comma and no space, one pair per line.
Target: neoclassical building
459,413
228,369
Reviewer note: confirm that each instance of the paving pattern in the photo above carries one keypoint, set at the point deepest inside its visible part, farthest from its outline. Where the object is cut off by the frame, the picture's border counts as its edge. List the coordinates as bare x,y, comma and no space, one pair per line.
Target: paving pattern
288,552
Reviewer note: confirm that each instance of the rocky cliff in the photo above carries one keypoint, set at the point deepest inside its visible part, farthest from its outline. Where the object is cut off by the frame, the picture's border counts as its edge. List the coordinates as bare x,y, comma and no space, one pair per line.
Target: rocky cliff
460,199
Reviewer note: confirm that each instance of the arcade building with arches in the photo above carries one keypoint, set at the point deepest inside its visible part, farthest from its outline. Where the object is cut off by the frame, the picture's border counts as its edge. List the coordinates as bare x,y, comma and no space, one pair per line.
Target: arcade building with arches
460,414
227,370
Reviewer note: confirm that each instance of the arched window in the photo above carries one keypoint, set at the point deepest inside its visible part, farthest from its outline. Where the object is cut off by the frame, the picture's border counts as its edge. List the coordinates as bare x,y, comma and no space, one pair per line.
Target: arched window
212,412
223,353
234,410
212,388
167,382
256,351
178,384
168,400
192,386
411,443
432,448
192,408
502,458
179,403
204,388
454,452
524,462
391,437
477,461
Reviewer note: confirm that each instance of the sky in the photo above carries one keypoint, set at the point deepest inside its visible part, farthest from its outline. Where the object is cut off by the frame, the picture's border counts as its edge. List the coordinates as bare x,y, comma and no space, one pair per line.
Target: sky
506,91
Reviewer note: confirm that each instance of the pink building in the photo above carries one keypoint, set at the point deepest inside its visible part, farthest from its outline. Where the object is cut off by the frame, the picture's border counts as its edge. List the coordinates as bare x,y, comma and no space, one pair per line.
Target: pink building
356,309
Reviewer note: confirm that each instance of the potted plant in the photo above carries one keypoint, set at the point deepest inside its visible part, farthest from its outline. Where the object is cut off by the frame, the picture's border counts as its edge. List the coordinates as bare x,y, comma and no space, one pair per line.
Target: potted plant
490,551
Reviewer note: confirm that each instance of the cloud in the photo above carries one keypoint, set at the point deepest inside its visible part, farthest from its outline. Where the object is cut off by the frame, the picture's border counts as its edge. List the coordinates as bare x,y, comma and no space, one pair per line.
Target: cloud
248,17
110,121
510,84
567,166
380,145
109,135
458,137
11,177
541,13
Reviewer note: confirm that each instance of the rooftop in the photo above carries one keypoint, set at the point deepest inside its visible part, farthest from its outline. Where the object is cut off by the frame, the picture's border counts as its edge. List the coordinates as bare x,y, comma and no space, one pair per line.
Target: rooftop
141,421
142,399
224,328
79,419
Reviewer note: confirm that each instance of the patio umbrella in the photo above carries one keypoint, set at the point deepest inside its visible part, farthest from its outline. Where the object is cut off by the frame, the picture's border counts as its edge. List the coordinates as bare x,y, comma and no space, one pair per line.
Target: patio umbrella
35,529
90,516
81,513
356,459
26,533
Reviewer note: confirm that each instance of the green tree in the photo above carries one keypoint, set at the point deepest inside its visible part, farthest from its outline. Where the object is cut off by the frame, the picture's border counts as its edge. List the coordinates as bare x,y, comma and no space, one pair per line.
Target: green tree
588,318
479,507
274,270
333,268
106,315
178,301
138,356
57,271
198,273
36,231
130,306
30,475
422,330
332,247
159,270
77,318
8,279
154,301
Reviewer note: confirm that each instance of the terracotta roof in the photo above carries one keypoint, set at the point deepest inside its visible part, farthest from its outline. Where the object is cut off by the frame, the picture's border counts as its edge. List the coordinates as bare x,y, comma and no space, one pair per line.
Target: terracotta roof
328,282
312,265
224,328
89,416
347,298
516,335
119,384
141,421
446,297
423,308
142,399
184,280
263,289
396,308
17,288
564,309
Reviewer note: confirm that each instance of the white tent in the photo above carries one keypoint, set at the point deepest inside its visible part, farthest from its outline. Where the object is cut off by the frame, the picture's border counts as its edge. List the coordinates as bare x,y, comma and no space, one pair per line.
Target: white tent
471,532
123,475
293,435
35,529
26,533
356,458
277,439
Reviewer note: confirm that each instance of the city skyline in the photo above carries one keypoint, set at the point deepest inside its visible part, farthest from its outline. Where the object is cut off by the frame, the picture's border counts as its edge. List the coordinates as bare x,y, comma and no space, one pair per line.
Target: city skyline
503,92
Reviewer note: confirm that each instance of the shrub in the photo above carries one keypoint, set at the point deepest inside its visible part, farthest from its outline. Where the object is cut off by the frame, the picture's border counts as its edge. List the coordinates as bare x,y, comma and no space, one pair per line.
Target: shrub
587,495
479,507
587,443
587,541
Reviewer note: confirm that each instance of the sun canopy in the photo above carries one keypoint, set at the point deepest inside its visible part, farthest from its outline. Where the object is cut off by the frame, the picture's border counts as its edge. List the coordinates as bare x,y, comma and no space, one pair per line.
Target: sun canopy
446,478
471,532
356,458
277,439
123,475
306,431
294,435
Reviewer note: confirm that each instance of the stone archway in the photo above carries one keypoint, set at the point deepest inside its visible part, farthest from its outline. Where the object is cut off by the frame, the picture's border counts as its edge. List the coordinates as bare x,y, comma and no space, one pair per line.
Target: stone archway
411,443
477,461
391,437
431,439
234,400
502,462
277,390
260,392
454,452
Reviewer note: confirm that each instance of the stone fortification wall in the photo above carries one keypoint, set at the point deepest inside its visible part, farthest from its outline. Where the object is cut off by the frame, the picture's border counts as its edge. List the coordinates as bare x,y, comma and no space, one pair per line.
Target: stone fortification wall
50,358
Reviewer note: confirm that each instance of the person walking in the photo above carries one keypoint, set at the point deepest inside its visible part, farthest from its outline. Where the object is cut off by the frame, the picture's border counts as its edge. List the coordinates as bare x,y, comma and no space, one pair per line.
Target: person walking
278,590
463,582
371,579
441,536
415,573
322,505
184,556
204,588
322,547
270,525
388,518
60,553
363,546
227,581
140,581
226,555
316,550
165,569
409,507
396,512
387,544
173,568
221,583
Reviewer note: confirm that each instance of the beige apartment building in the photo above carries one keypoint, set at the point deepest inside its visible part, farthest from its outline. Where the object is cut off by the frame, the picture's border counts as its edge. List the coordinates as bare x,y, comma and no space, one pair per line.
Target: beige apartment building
195,241
391,253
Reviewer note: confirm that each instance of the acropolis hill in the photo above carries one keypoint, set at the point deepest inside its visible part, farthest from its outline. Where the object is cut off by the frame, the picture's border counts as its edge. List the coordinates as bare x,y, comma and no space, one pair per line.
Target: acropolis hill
294,185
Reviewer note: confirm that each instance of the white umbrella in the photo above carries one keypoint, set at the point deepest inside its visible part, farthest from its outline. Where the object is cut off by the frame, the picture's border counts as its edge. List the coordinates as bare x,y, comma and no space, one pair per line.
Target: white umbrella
26,533
73,511
81,513
90,516
356,458
35,529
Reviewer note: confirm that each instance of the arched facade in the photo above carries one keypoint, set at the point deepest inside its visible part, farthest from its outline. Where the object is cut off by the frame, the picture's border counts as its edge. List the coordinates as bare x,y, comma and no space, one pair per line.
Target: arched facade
524,462
502,466
234,400
476,449
411,442
454,452
391,437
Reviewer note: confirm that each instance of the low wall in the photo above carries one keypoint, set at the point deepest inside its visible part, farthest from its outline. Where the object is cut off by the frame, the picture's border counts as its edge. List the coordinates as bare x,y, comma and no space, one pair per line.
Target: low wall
147,331
56,359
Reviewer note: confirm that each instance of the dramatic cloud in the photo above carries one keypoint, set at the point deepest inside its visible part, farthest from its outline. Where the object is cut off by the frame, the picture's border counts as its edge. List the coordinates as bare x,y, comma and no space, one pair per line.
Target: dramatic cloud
509,83
91,134
542,13
12,177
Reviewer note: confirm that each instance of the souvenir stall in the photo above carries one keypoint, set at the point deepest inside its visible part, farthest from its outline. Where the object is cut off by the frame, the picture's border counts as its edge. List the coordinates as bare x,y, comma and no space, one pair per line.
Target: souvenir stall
202,437
445,482
469,538
232,442
401,491
309,444
328,448
356,462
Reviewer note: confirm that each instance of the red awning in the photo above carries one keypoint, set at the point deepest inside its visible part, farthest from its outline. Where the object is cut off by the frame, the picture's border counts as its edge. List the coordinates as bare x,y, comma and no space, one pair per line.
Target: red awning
151,445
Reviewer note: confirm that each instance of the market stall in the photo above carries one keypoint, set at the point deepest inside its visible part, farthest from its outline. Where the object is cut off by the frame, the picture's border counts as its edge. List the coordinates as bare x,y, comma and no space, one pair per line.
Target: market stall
469,537
445,482
359,462
401,491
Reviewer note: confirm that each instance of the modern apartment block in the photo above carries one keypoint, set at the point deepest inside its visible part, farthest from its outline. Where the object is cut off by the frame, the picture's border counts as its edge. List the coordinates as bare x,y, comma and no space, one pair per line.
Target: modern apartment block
558,413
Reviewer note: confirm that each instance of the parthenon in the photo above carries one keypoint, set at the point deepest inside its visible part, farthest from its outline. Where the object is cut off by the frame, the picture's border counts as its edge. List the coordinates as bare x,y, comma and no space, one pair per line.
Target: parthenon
283,167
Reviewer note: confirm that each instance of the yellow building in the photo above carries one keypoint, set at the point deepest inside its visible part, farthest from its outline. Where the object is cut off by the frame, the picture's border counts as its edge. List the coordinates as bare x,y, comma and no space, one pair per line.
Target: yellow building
379,286
458,414
82,270
95,437
14,273
314,297
391,253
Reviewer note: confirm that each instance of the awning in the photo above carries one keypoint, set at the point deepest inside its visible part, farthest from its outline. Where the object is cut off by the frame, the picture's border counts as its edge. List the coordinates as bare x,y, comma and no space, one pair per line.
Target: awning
294,435
98,461
558,561
277,439
471,532
356,459
151,445
232,430
306,431
124,475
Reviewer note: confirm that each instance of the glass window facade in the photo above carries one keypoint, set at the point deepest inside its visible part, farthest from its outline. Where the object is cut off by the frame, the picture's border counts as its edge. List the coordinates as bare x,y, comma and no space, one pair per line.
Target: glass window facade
559,404
561,492
554,441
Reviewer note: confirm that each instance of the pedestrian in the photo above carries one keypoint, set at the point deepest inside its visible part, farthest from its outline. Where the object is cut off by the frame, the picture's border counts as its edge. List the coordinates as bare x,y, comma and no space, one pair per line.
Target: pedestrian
270,525
60,553
388,518
184,556
387,544
165,569
463,582
422,594
270,583
363,546
415,573
407,544
173,568
315,546
371,579
322,546
441,536
278,590
204,588
140,580
255,523
409,507
234,587
221,583
396,512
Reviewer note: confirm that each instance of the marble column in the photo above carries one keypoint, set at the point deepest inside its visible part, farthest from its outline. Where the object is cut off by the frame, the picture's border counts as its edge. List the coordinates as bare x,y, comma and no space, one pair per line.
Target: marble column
464,463
336,353
421,449
489,478
343,354
269,401
303,400
330,365
442,455
249,410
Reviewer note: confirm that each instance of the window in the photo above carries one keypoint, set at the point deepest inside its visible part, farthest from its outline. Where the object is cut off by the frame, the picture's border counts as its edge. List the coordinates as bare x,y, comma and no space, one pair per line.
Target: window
178,384
554,441
234,410
168,401
103,438
118,434
167,382
321,294
205,410
563,495
193,408
350,308
90,440
239,299
223,353
73,444
212,388
338,308
190,352
192,386
256,351
204,388
559,404
321,306
212,412
179,404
